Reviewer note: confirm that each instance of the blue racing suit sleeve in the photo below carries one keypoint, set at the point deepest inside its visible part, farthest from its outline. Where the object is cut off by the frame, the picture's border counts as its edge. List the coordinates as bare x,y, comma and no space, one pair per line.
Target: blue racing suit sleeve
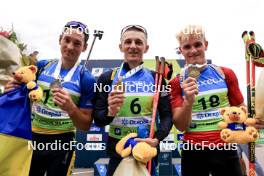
87,90
41,64
101,105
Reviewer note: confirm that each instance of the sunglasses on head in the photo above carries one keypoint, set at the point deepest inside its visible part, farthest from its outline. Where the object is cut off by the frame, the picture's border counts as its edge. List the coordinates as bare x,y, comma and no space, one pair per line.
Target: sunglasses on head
195,45
77,25
138,27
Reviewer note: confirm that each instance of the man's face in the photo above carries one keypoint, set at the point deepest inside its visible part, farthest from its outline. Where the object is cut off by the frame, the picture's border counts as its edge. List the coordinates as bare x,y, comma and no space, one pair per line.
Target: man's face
72,44
193,50
133,45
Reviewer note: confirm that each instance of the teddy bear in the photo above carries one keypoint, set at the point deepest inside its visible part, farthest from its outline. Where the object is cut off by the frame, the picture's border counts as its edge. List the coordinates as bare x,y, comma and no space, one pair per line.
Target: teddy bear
236,127
27,75
141,151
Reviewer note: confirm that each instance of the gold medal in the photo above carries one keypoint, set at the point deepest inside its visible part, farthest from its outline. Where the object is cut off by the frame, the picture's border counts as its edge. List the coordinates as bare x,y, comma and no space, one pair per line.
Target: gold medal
194,71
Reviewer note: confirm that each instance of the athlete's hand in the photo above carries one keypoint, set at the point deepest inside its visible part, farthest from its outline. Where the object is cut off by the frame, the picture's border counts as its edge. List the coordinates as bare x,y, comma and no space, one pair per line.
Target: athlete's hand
10,85
190,89
63,99
153,142
259,123
115,101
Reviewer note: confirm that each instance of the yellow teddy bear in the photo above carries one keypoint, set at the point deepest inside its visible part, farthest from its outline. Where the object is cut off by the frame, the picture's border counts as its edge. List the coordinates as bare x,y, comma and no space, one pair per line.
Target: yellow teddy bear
27,75
236,127
141,151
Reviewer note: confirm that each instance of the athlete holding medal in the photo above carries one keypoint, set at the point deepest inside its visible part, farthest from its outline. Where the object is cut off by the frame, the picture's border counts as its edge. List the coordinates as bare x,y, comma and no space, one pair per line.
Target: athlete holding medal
66,104
129,108
196,96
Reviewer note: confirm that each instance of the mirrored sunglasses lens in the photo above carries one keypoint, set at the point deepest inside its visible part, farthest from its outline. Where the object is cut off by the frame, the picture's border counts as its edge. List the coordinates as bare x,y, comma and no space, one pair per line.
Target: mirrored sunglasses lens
76,24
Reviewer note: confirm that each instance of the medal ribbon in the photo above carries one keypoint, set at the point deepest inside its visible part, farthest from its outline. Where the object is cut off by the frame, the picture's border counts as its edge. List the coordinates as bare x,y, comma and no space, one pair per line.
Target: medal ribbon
130,72
68,76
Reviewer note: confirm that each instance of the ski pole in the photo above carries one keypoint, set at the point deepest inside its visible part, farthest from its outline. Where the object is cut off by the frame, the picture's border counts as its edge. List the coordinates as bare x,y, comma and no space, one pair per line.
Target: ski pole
251,146
96,34
158,80
160,63
250,93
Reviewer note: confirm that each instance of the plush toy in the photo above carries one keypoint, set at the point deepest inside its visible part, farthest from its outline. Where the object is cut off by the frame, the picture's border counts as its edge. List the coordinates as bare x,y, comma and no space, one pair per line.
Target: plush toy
27,75
236,127
141,151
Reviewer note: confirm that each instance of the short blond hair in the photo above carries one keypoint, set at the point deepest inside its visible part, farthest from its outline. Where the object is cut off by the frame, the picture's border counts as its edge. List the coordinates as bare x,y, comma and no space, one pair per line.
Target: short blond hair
194,31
